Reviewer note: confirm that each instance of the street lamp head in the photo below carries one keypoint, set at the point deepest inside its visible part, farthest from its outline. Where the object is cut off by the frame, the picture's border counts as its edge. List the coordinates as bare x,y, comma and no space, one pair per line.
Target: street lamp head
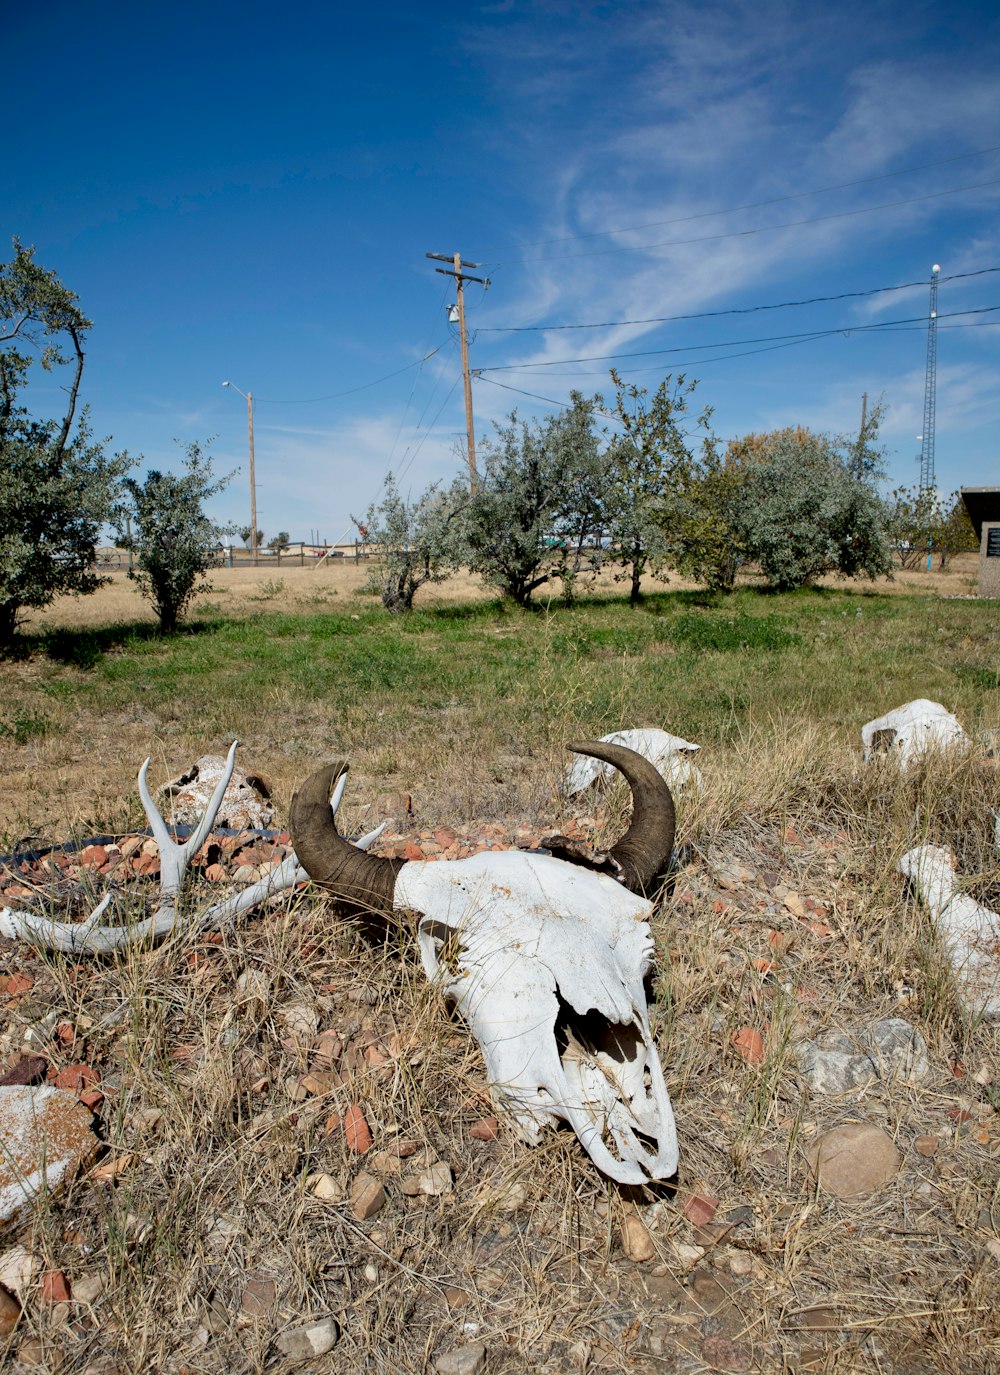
227,384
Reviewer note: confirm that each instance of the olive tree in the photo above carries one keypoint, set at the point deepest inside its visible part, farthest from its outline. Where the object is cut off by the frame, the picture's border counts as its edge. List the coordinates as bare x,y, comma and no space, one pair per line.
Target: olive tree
412,542
163,522
58,484
803,512
538,512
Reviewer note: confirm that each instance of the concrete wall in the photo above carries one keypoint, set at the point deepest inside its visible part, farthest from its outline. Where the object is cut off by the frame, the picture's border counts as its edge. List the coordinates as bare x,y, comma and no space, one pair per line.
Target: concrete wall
989,565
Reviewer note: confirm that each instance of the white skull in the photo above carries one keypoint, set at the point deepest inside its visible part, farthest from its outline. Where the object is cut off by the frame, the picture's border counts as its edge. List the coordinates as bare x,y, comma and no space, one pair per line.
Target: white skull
546,959
671,756
908,732
547,963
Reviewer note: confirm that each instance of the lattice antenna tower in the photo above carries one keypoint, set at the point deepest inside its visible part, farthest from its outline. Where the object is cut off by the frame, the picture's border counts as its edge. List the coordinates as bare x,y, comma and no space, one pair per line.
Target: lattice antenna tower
930,391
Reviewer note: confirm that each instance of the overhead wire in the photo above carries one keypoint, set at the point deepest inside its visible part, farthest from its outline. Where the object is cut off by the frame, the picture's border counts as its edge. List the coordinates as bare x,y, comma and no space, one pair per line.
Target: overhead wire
734,343
733,310
334,396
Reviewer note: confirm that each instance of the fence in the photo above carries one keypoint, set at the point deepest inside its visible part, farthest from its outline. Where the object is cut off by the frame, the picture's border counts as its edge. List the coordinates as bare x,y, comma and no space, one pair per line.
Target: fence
298,555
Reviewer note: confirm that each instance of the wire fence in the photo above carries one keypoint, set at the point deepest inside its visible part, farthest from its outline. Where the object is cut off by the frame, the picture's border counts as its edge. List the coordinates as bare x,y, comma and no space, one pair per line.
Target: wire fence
296,555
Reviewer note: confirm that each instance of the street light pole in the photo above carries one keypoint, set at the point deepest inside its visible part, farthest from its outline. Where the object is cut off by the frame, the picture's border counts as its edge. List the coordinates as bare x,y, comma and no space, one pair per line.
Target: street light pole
248,396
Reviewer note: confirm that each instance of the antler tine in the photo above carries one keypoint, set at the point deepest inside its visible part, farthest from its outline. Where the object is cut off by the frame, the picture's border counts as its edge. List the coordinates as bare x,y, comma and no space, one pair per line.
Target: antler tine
174,856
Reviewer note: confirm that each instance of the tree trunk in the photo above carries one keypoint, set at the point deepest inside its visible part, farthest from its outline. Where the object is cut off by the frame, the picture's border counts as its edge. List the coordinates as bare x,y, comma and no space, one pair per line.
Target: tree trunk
8,622
635,595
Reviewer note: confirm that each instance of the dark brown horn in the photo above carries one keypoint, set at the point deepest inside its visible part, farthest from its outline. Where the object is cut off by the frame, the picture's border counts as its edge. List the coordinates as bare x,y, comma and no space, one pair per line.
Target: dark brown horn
644,851
362,880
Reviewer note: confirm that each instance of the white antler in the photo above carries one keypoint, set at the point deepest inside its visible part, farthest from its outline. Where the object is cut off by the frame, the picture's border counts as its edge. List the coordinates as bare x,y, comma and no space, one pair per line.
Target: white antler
90,937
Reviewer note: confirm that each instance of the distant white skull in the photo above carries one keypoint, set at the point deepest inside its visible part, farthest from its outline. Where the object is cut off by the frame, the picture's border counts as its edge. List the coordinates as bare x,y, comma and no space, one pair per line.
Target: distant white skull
908,732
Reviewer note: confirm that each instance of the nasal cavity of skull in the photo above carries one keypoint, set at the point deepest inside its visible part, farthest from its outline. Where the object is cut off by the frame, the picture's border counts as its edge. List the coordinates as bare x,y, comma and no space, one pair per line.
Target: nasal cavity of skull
589,1035
883,741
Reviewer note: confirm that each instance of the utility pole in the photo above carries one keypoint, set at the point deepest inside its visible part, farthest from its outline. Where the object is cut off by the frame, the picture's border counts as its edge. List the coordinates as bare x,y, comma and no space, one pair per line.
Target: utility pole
461,277
861,433
930,391
253,485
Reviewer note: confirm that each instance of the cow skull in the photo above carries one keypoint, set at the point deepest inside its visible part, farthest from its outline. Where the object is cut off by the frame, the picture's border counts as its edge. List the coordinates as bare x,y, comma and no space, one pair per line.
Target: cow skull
546,960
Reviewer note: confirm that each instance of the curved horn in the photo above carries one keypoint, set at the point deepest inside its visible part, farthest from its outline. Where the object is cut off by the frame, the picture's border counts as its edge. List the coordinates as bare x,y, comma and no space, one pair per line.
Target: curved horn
644,851
363,880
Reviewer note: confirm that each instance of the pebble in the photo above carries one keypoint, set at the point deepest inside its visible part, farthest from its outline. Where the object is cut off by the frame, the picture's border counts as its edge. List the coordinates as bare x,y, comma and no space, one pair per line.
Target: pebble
750,1044
357,1132
88,1288
10,1314
432,1181
314,1339
258,1297
366,1197
485,1130
740,1264
926,1145
55,1287
326,1187
853,1160
637,1244
300,1019
700,1208
47,1136
462,1360
18,1270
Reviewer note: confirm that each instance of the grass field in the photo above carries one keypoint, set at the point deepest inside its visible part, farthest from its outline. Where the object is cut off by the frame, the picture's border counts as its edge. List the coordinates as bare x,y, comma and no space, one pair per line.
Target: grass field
467,706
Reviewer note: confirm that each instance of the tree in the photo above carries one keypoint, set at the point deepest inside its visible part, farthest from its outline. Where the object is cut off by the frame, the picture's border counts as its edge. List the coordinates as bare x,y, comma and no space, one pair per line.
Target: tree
163,522
913,516
705,537
538,512
802,513
280,542
413,543
58,484
649,468
245,531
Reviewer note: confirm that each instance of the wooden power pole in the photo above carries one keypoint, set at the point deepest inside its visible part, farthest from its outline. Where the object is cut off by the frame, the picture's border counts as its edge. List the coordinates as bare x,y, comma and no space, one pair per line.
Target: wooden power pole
461,277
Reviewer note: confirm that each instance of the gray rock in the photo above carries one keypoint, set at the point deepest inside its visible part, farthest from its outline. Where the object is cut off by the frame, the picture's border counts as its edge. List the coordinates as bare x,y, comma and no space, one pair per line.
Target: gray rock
888,1049
314,1339
463,1360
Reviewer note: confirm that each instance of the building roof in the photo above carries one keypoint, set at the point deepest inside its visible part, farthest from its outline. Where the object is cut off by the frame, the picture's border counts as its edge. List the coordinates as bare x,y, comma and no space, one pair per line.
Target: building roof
982,503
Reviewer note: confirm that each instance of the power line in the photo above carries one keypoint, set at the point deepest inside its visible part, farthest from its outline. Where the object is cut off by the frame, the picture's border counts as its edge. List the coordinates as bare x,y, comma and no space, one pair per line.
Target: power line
734,343
764,229
308,400
758,205
735,310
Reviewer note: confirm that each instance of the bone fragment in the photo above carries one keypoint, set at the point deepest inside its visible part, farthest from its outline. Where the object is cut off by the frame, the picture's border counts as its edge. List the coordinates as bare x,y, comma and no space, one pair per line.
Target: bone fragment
969,932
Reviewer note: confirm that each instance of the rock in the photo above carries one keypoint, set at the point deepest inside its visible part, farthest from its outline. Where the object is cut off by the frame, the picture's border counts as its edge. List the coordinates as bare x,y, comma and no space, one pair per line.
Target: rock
719,1353
637,1244
314,1339
18,1270
700,1208
366,1197
750,1044
299,1019
10,1314
888,1049
29,1069
357,1133
740,1264
926,1145
484,1130
462,1360
88,1288
46,1137
853,1160
55,1287
258,1297
432,1181
326,1187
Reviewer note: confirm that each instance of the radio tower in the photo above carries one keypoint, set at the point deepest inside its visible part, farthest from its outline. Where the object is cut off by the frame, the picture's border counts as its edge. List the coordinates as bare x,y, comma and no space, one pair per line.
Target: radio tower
930,392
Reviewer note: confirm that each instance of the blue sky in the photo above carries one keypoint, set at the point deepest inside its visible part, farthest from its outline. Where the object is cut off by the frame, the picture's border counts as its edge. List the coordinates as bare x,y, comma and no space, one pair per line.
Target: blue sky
248,192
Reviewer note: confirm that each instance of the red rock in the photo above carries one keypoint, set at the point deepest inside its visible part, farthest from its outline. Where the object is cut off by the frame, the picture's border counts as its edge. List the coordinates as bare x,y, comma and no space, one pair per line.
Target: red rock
332,1123
93,856
412,852
750,1044
76,1078
485,1129
39,1125
700,1208
258,1297
55,1287
215,873
959,1115
92,1099
65,1031
820,928
10,1313
18,983
357,1133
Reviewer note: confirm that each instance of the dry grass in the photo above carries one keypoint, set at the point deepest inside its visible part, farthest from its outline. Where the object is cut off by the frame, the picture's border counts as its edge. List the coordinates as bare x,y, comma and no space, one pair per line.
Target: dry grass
524,1254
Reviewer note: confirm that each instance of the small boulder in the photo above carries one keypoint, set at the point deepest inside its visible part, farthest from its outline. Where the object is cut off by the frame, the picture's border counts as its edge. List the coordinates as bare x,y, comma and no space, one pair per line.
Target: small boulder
47,1137
308,1342
462,1360
853,1160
